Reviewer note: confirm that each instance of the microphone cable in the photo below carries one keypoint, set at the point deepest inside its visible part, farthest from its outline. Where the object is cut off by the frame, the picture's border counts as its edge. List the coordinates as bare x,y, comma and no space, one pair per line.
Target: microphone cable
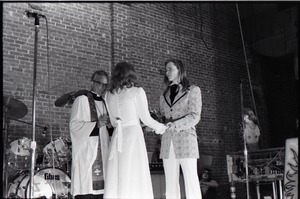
49,110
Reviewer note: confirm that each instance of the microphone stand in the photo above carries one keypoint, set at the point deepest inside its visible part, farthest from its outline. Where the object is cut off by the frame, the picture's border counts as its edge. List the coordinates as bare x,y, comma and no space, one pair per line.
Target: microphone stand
245,144
33,142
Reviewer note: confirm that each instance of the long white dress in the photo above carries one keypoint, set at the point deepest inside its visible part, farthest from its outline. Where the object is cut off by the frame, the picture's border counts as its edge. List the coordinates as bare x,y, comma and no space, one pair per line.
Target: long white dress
128,174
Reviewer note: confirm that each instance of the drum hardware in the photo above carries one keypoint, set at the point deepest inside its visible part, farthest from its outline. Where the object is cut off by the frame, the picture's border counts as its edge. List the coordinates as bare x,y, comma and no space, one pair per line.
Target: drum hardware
36,17
20,147
245,144
19,152
69,98
12,109
48,183
43,127
57,153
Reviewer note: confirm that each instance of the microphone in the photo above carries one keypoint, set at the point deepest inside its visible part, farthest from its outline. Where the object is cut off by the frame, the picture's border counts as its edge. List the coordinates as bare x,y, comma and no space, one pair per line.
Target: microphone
30,14
45,129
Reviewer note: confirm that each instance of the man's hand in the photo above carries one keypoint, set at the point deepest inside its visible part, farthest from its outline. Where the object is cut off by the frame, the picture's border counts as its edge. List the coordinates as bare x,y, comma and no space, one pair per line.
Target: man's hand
104,121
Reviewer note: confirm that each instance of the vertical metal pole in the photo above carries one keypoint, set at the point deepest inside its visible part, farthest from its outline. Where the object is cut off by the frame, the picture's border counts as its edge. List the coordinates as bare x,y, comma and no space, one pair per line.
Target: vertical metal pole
33,142
280,189
245,145
232,188
5,159
257,190
274,190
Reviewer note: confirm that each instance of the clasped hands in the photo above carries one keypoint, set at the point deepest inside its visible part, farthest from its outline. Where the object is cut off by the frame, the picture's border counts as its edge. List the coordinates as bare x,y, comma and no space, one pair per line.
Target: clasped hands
105,121
170,126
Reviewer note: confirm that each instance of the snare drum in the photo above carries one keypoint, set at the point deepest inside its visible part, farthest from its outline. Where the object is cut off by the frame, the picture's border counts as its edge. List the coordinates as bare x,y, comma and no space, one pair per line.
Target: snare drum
19,154
57,151
48,182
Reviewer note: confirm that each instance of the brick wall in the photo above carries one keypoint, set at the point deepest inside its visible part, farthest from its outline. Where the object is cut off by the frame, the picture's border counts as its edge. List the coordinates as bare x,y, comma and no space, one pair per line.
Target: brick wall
84,37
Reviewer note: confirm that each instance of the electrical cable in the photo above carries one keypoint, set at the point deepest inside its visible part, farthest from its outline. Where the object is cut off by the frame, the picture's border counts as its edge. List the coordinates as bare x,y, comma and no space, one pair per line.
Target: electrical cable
246,60
249,78
49,112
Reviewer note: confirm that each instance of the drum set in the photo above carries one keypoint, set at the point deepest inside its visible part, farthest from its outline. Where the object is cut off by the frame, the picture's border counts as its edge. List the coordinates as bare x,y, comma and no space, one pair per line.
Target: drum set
51,177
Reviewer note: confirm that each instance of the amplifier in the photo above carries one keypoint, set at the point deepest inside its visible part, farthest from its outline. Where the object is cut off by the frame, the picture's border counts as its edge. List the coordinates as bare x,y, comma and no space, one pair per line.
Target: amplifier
264,164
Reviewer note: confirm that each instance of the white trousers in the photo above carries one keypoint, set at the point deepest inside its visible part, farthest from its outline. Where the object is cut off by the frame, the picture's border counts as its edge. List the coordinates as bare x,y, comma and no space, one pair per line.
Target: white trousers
190,174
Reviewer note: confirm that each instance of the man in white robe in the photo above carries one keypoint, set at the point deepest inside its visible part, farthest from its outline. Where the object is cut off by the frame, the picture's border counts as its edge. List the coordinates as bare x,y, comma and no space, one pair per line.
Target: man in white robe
89,126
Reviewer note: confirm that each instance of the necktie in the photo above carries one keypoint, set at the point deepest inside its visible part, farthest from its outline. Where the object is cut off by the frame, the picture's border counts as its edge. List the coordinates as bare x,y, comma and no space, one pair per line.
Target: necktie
173,92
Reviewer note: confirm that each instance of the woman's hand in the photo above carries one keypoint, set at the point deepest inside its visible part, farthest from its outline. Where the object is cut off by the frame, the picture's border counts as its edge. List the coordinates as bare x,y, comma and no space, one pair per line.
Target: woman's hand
148,129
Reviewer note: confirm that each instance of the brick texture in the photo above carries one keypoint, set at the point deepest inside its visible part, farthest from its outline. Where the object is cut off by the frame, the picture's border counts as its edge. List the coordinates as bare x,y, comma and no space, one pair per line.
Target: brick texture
84,37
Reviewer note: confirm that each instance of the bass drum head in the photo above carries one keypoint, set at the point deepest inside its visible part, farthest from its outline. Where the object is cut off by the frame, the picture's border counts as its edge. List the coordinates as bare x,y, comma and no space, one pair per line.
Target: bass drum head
20,187
48,183
58,179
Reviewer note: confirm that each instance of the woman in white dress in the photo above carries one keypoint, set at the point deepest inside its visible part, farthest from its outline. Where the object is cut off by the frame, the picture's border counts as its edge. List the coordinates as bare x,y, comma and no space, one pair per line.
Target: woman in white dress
128,174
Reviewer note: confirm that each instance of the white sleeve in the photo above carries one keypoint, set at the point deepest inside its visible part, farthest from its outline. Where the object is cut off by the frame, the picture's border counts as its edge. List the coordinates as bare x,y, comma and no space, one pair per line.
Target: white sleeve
143,112
80,120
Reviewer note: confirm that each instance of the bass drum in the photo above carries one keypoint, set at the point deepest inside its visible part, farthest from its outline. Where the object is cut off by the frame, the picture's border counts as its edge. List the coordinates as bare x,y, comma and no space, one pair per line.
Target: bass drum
48,183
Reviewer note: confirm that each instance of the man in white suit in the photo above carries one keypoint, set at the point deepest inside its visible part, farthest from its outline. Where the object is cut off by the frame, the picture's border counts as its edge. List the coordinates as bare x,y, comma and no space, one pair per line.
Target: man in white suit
181,105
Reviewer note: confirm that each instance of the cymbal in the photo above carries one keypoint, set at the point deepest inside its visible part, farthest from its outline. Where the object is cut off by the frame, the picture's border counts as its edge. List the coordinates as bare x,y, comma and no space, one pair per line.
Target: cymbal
13,108
69,98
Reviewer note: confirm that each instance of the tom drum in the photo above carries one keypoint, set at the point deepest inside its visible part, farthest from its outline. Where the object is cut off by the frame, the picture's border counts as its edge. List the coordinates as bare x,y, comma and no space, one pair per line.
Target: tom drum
57,152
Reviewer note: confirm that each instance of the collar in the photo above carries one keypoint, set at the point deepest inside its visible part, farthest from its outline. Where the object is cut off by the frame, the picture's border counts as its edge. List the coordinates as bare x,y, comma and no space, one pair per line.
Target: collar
96,96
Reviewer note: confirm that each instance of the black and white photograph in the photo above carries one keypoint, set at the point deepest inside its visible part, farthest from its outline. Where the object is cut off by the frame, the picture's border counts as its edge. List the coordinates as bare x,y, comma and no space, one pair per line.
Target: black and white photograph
150,99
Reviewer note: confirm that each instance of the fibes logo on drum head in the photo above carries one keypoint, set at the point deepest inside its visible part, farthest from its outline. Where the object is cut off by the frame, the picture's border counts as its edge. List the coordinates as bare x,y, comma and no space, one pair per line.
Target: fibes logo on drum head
48,176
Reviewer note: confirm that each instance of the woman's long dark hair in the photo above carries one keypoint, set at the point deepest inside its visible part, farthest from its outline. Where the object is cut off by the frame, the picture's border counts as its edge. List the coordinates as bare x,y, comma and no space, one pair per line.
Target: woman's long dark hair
182,74
123,75
252,116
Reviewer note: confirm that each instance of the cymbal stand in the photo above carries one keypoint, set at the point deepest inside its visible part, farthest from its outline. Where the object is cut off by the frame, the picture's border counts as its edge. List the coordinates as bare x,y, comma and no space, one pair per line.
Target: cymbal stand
5,161
33,142
43,127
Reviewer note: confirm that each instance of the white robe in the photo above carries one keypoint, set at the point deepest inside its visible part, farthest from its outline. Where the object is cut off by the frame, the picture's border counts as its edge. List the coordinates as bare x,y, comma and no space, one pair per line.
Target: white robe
128,174
84,147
